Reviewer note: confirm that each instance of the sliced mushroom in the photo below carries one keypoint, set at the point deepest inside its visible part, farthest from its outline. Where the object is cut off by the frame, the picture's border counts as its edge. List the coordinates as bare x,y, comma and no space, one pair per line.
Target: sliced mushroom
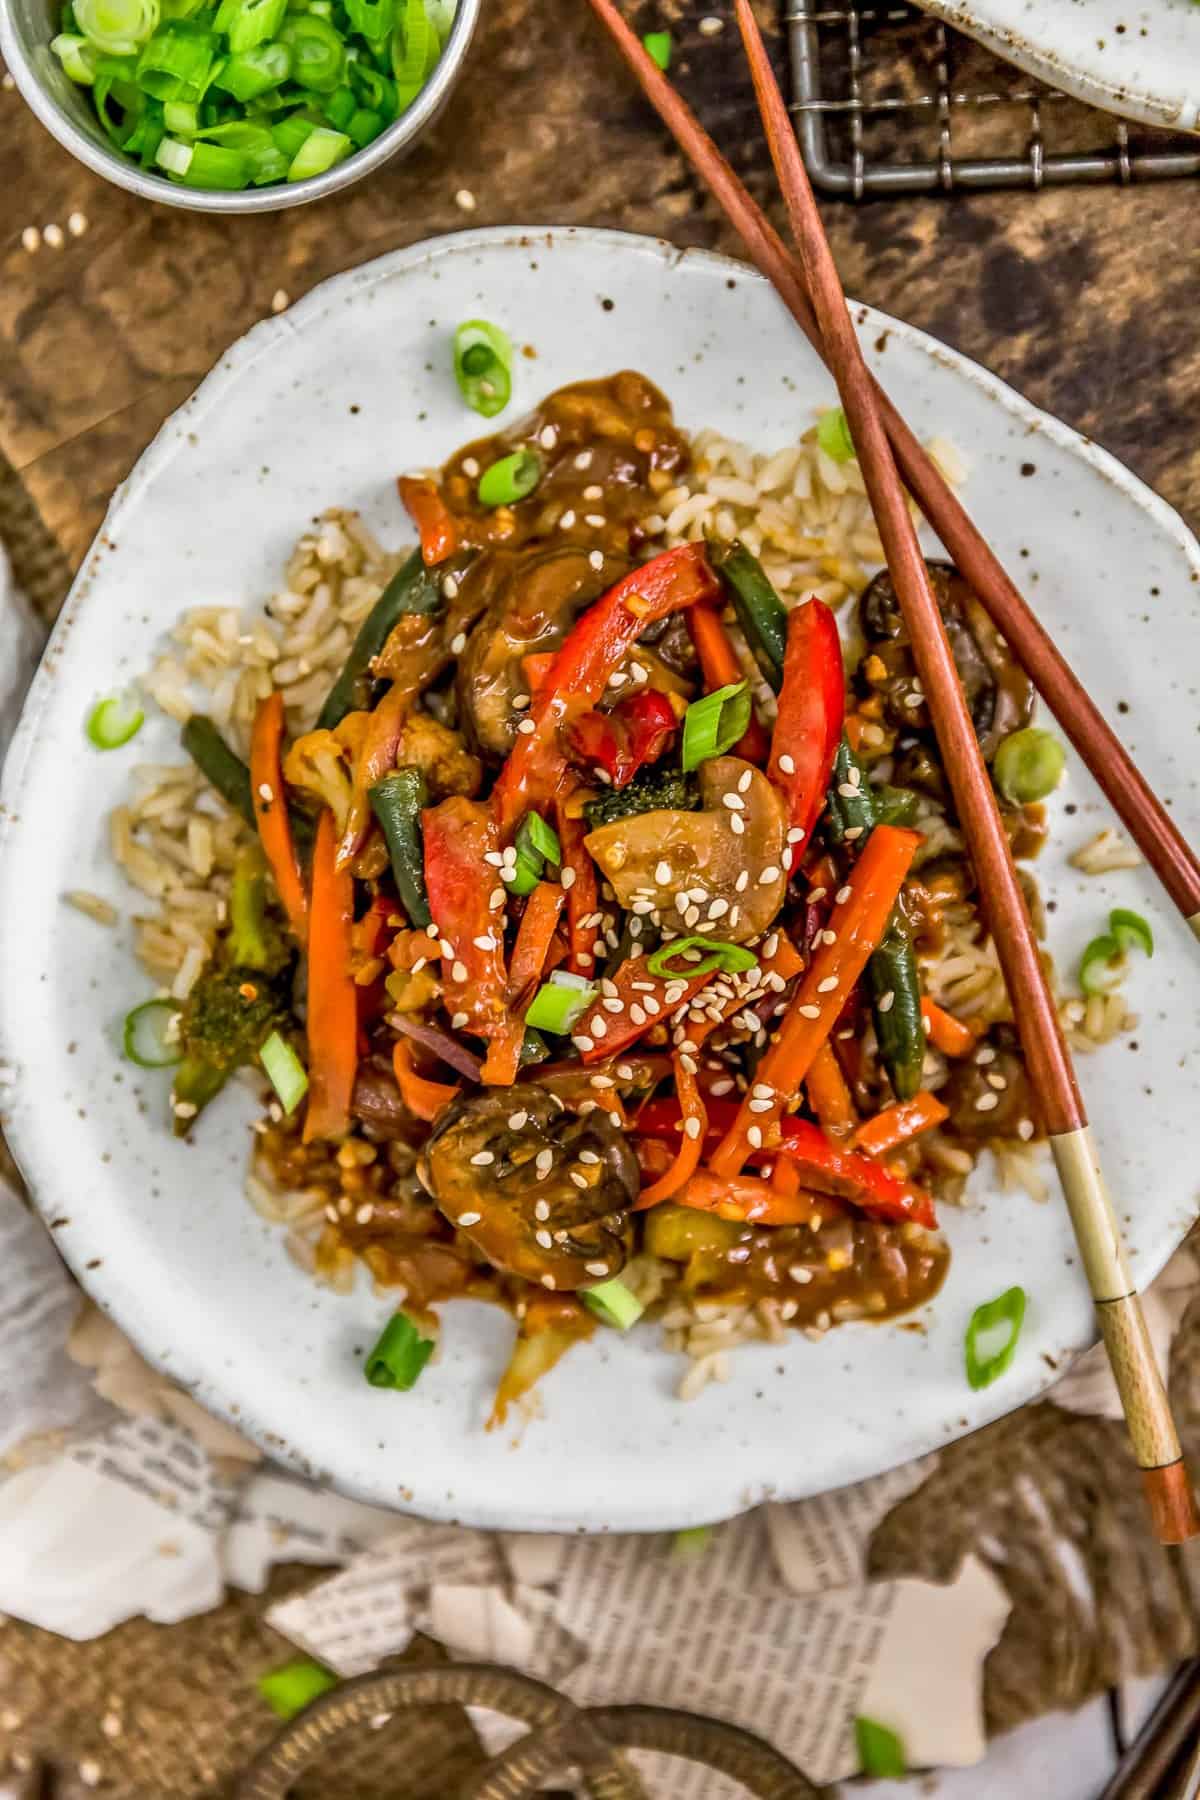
540,1191
999,693
988,1093
655,857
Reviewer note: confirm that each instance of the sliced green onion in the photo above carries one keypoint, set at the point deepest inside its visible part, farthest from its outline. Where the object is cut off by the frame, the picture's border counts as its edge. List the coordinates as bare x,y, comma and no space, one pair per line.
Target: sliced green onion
483,366
364,126
284,1071
252,22
254,143
291,134
511,479
542,838
415,50
181,117
880,1750
341,107
376,19
992,1335
1029,765
399,1356
613,1302
114,720
146,1036
692,1542
1101,965
833,436
77,56
255,71
715,724
212,166
320,150
176,63
657,45
560,1002
1131,930
318,54
288,1690
731,959
175,158
119,27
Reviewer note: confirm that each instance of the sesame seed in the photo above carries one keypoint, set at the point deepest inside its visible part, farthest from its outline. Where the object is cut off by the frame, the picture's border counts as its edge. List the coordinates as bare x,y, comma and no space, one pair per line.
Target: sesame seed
567,879
583,1042
544,1239
787,764
485,941
651,1005
884,1003
760,1106
617,679
584,460
517,1121
493,858
584,958
266,791
596,559
762,1090
601,1081
548,1282
830,982
637,1014
987,1102
90,1772
985,1054
596,1268
527,727
458,643
744,780
799,1273
738,824
331,1213
1025,1129
692,1127
31,238
768,875
689,1063
719,908
638,672
854,832
662,874
742,882
496,899
734,915
809,1012
541,1209
724,1086
597,521
599,1027
458,971
458,1020
547,437
754,1137
521,701
734,802
613,1003
543,1162
997,1081
77,224
848,790
841,897
795,835
465,200
567,520
580,1180
711,26
588,1156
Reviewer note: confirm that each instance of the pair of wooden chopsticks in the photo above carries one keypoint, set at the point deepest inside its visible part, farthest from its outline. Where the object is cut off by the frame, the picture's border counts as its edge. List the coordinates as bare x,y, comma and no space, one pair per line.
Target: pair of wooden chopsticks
1163,1762
812,291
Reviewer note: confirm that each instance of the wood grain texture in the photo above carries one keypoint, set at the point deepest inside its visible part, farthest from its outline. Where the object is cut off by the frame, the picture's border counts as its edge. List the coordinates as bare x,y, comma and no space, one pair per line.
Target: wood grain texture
1083,298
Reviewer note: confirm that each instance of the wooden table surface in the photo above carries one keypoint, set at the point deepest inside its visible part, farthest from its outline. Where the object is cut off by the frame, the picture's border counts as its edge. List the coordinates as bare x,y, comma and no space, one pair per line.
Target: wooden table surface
1083,298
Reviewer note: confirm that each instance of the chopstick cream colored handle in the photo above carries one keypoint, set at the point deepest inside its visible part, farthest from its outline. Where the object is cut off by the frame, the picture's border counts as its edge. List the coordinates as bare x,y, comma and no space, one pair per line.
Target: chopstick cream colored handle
1152,1433
1194,922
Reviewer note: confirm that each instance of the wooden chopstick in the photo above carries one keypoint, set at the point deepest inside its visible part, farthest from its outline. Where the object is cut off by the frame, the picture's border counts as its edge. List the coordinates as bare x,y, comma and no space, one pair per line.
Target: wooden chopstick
1130,795
1143,1394
1148,1769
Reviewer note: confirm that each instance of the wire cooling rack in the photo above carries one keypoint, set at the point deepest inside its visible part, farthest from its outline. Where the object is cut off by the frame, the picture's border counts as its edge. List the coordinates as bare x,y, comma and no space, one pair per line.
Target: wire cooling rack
888,100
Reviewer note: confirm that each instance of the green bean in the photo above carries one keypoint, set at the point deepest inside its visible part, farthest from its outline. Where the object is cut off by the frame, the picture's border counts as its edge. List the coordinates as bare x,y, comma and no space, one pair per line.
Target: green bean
895,805
397,802
230,776
853,804
412,589
759,609
892,971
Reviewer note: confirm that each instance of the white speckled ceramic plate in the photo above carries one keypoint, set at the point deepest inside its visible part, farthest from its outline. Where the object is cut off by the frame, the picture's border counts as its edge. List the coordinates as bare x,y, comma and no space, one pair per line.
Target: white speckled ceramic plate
1142,61
325,404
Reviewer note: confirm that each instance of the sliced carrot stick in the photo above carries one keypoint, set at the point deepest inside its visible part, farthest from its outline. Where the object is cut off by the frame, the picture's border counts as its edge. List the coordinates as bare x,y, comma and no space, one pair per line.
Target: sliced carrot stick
535,936
858,923
754,1202
828,1094
720,667
896,1124
271,813
431,516
946,1033
332,996
785,1177
583,894
424,1099
691,1140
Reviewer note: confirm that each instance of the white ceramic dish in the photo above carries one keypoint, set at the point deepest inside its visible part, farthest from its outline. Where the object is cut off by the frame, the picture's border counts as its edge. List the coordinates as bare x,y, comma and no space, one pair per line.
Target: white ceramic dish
1142,61
326,404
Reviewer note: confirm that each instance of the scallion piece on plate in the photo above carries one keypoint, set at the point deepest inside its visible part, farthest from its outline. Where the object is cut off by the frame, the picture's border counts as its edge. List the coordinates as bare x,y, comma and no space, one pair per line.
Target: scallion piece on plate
560,1002
1130,930
114,720
833,436
118,27
1101,965
288,1690
146,1037
657,45
483,366
284,1071
992,1335
692,1542
399,1356
702,955
880,1750
1028,765
715,724
511,479
613,1302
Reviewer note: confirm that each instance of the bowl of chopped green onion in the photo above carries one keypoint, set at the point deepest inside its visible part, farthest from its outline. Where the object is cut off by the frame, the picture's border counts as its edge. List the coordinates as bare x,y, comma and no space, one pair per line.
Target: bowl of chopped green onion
236,106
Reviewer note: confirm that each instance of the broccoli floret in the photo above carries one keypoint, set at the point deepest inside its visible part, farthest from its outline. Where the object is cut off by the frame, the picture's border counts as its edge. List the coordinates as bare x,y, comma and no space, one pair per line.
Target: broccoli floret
228,1016
654,789
256,939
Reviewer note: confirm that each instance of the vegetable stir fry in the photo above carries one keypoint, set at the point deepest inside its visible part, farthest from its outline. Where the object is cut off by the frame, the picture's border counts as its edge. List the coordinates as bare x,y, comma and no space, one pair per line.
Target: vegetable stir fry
585,934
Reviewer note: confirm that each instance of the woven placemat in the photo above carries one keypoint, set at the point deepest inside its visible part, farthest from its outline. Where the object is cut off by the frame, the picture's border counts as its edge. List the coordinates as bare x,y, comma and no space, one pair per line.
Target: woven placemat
174,1711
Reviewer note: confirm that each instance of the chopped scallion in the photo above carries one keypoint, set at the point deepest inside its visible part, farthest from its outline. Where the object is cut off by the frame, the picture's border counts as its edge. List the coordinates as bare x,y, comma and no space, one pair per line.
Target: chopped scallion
118,27
560,1002
77,56
1131,930
320,150
1101,965
880,1750
692,1542
833,436
1028,765
535,843
318,54
284,1071
657,45
114,720
731,959
511,479
483,366
288,1690
715,724
147,1038
613,1302
992,1335
399,1356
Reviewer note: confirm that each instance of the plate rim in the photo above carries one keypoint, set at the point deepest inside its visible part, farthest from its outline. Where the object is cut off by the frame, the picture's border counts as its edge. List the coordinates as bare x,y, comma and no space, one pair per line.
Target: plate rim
226,1402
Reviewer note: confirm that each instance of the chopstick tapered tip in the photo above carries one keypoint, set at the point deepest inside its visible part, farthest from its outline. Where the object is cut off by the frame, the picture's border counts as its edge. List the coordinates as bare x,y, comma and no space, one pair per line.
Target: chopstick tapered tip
1172,1503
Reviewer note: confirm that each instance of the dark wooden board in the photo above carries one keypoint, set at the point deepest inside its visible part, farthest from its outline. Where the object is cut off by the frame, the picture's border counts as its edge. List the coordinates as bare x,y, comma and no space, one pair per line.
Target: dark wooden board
1084,298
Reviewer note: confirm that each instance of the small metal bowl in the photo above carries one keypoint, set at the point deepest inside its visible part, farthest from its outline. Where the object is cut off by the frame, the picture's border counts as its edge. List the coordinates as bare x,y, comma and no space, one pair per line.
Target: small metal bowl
26,29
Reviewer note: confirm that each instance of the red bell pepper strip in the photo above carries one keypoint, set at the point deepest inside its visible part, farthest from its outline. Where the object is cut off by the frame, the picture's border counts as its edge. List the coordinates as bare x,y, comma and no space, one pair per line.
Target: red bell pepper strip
271,813
332,995
583,893
612,1032
899,1124
431,516
859,923
634,733
720,667
748,1200
458,835
849,1175
592,650
812,702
